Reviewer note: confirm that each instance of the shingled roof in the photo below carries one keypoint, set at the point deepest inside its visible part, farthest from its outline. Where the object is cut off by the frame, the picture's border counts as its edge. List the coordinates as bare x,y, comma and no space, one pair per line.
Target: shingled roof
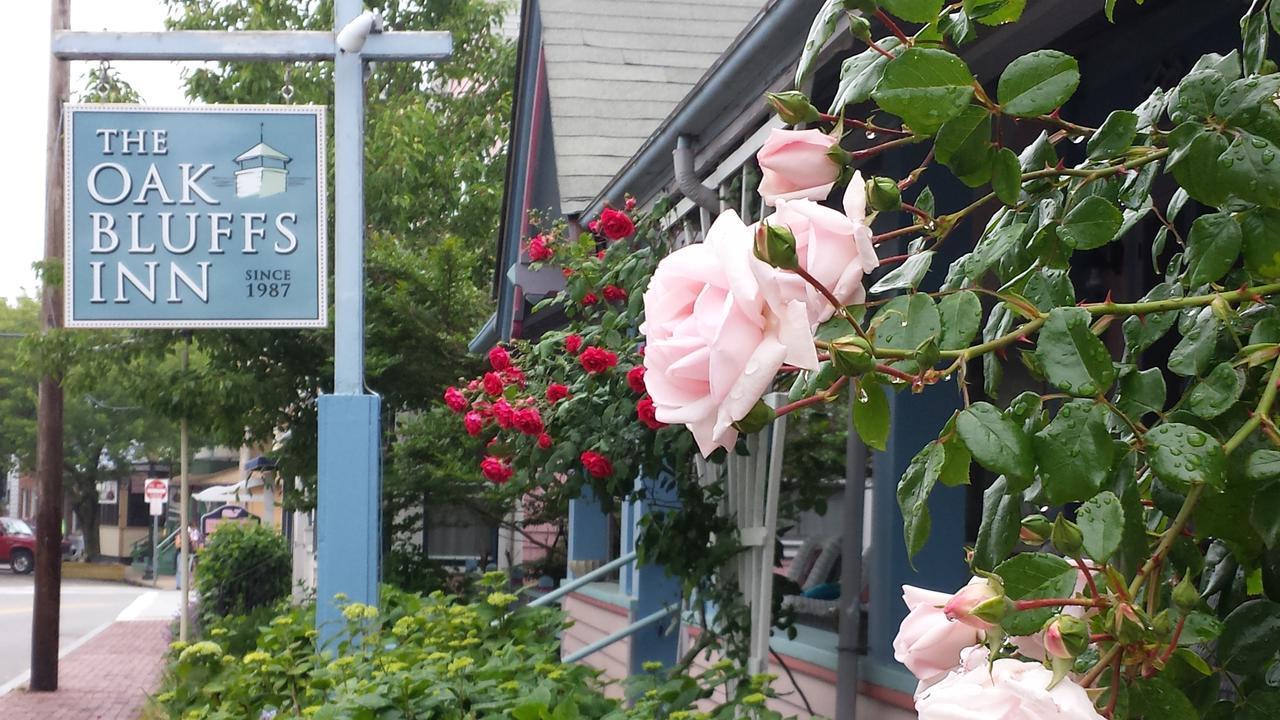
616,68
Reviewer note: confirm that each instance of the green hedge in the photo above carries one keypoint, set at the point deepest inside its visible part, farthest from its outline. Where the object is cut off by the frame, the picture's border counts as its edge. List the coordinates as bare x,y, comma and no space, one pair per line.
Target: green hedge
243,568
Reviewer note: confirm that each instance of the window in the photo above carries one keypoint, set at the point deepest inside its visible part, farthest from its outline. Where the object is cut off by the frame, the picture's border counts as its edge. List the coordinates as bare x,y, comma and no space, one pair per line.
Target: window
14,526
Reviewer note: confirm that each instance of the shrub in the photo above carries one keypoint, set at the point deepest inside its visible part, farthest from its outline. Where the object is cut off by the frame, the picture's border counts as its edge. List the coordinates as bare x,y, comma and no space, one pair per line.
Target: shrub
421,657
244,567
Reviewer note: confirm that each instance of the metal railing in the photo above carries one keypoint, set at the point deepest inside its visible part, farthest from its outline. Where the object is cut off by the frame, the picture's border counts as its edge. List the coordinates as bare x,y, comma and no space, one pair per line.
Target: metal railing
578,582
622,634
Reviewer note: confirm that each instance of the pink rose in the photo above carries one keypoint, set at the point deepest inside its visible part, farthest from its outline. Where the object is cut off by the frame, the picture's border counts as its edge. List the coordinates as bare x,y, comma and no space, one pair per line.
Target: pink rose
928,643
795,165
834,248
1009,689
712,345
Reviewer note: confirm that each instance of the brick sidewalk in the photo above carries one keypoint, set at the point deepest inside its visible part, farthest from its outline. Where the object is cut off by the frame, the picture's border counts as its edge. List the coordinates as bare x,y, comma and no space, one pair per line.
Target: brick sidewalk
107,678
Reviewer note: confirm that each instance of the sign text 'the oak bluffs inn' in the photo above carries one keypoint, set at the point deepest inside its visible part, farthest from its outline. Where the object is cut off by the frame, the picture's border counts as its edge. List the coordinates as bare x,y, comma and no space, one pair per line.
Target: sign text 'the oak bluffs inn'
209,216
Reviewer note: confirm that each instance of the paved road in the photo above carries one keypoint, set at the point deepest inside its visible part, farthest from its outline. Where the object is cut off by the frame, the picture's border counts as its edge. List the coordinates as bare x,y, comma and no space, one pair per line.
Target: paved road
86,606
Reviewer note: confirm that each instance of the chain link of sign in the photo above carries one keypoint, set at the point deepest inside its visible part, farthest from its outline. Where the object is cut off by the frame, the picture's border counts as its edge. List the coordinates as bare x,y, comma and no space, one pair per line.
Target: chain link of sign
286,90
104,72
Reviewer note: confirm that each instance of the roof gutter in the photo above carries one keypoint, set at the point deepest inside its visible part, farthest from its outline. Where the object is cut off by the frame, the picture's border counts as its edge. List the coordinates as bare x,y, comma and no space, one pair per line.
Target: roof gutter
687,177
710,105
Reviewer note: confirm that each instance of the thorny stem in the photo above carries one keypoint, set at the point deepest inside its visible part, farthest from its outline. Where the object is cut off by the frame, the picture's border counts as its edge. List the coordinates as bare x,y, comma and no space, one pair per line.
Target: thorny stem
1088,577
893,27
879,49
1070,127
1168,651
1060,602
895,373
887,145
1115,688
877,239
1092,676
914,175
835,303
822,396
862,125
1102,308
926,217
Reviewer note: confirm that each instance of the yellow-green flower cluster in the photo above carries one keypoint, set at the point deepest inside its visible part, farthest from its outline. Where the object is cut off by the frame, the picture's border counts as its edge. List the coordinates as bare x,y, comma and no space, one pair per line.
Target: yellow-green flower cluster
203,650
257,657
459,664
500,599
359,611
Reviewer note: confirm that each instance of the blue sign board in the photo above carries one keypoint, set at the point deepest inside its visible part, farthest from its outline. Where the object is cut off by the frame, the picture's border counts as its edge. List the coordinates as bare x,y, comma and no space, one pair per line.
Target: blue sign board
206,216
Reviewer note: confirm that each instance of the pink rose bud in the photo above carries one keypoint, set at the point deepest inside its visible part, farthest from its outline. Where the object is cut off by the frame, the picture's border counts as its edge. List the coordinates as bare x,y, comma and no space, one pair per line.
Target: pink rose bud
794,164
974,604
1065,637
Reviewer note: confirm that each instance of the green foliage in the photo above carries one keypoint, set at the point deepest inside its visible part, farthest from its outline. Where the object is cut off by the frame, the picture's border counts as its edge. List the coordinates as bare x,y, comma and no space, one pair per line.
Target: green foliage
430,656
1170,470
242,568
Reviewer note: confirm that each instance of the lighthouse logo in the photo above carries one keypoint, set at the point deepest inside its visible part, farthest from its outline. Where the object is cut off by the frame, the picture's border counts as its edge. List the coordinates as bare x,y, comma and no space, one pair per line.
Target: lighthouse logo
262,171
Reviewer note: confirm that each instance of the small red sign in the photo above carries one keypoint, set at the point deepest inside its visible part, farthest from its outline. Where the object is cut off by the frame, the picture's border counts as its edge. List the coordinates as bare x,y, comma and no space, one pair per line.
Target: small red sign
156,490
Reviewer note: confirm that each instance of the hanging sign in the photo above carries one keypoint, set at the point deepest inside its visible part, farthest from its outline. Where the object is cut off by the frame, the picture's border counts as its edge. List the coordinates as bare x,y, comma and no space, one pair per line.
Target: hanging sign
206,216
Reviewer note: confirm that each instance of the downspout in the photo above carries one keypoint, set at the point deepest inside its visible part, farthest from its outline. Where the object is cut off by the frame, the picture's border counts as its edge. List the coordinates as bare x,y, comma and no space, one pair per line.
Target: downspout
701,195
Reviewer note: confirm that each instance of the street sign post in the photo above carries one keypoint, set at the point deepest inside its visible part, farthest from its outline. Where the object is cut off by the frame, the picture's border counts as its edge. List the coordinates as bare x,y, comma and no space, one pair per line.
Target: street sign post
156,492
207,216
350,483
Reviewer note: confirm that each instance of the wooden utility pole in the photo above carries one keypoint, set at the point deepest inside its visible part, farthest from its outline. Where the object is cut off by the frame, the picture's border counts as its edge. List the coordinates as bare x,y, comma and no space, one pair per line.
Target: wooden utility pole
46,610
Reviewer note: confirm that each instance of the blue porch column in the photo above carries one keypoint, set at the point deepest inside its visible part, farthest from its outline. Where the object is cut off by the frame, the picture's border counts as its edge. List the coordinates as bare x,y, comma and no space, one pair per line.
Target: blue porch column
917,419
588,531
349,517
650,586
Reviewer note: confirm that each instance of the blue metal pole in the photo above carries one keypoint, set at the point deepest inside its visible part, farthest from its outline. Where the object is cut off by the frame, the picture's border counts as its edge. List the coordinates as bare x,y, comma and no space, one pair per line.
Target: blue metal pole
349,544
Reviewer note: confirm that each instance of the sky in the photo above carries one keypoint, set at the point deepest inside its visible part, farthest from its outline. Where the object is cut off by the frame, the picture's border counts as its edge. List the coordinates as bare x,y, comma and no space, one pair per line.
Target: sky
25,56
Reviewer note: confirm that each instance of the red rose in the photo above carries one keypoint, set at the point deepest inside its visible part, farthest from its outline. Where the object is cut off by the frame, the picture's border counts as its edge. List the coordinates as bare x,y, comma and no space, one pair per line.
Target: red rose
455,400
492,383
596,360
538,250
572,343
635,379
557,392
593,226
590,299
613,293
503,413
514,375
600,255
566,271
615,224
499,358
630,204
474,423
496,469
528,421
544,441
647,415
596,464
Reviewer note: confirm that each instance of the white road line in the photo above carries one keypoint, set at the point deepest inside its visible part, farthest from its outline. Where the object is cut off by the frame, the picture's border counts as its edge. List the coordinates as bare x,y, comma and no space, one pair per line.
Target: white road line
136,608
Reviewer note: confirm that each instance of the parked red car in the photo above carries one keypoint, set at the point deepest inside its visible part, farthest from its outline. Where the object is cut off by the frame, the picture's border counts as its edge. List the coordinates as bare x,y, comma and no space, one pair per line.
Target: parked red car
17,545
